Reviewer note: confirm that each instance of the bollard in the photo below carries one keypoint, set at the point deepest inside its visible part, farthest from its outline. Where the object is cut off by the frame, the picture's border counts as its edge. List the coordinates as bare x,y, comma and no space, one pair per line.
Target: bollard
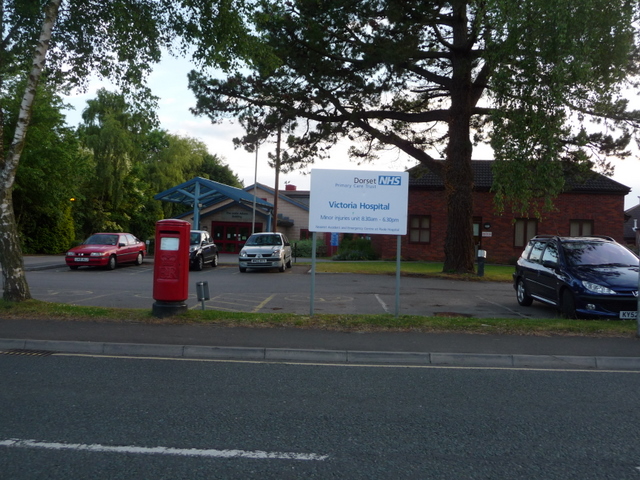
202,290
482,255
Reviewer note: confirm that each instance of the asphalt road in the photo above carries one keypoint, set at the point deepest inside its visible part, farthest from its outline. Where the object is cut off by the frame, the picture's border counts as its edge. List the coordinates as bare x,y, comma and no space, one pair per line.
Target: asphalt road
131,286
67,417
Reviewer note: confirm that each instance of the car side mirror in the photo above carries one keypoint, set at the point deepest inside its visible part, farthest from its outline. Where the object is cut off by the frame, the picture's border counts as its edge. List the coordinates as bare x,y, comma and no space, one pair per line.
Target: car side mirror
550,264
122,244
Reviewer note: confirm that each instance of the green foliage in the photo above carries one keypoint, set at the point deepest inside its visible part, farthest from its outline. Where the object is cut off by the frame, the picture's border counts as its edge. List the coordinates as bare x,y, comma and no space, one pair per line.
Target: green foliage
546,93
52,164
304,248
132,162
431,78
355,249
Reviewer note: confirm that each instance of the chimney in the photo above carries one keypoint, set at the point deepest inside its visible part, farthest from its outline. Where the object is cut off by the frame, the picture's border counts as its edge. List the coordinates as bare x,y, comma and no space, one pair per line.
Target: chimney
289,188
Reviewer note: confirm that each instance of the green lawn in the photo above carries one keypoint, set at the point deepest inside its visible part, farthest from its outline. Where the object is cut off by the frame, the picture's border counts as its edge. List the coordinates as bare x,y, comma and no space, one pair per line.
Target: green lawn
494,273
34,309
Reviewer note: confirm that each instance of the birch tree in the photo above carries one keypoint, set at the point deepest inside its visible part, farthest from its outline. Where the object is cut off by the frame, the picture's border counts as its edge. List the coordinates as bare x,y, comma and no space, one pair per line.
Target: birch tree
14,280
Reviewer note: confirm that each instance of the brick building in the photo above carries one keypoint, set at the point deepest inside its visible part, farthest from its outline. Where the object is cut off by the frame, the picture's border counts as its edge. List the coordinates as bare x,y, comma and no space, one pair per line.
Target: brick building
595,207
632,227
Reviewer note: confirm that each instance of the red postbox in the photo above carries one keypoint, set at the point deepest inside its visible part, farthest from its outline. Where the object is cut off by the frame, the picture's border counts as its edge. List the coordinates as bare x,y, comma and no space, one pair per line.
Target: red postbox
171,267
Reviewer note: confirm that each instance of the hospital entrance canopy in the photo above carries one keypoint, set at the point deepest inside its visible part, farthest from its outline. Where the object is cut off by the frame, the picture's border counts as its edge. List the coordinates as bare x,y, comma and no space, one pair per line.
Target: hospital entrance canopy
200,192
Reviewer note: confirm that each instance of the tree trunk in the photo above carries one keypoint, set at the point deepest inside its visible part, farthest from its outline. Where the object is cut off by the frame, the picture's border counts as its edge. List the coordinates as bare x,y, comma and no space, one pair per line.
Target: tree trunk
14,280
458,174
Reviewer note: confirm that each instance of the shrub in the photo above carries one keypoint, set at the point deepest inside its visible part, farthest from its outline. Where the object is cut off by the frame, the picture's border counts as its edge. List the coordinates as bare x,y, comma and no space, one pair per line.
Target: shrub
302,248
355,249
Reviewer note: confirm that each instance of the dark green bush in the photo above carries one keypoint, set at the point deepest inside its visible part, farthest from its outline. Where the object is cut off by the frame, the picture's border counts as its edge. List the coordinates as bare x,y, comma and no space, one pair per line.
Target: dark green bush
355,249
302,248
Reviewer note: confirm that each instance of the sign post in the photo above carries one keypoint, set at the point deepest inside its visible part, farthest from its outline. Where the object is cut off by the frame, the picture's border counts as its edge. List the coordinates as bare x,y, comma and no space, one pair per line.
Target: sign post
363,202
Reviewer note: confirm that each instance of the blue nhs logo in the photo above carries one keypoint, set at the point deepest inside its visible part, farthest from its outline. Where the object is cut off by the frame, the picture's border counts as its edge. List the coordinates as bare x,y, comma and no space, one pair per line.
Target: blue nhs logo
389,180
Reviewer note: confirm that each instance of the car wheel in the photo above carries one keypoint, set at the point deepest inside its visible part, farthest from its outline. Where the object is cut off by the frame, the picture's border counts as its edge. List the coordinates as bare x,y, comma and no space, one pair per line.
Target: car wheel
289,263
139,258
242,269
283,266
111,264
521,293
568,304
214,262
199,263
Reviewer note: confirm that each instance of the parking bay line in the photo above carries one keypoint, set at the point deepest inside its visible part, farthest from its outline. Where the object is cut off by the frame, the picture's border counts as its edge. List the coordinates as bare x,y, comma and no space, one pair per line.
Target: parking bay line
384,305
186,452
227,299
264,302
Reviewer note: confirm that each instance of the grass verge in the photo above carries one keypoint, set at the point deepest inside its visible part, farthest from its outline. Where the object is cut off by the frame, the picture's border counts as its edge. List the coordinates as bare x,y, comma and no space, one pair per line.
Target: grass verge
492,273
35,309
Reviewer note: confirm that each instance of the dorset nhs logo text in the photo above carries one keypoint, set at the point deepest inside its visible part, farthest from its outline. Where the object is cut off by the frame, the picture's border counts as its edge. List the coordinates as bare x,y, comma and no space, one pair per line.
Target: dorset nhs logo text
389,180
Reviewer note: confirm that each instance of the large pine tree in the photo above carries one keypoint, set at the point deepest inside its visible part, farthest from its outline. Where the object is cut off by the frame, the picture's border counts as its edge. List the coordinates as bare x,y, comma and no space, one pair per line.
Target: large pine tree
431,78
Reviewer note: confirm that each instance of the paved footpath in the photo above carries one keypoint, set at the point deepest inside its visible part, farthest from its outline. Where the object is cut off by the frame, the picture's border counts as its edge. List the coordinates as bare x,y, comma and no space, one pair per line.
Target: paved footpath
310,345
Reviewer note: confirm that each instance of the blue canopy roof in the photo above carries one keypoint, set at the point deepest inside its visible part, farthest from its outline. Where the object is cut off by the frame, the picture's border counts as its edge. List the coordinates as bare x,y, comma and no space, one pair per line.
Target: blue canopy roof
200,192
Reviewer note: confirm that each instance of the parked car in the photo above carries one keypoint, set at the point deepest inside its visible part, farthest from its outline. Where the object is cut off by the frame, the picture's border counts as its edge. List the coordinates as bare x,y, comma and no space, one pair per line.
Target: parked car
581,276
106,250
202,250
265,250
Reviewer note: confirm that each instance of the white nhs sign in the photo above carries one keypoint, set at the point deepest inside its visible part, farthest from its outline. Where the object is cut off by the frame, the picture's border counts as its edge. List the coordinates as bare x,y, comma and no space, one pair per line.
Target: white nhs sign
389,180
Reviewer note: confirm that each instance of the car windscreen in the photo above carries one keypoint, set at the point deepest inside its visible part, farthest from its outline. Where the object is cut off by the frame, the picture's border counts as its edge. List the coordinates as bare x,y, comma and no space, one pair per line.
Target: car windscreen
195,238
264,240
598,254
102,240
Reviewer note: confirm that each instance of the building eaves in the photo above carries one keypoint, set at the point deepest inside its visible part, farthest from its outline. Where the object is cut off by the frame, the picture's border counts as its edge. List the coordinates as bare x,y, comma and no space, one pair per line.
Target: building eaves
299,198
422,177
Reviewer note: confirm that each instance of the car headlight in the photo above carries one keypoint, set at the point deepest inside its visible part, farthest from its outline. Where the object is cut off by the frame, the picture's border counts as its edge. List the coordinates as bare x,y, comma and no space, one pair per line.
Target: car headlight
98,254
595,288
243,253
276,251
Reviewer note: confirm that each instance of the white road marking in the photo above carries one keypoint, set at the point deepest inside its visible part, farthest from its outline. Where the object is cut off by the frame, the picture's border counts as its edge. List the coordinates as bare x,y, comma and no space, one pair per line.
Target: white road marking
187,452
381,302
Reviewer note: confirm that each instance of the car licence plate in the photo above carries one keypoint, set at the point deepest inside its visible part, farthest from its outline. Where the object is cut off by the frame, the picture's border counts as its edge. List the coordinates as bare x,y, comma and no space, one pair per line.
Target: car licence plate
259,260
628,315
80,259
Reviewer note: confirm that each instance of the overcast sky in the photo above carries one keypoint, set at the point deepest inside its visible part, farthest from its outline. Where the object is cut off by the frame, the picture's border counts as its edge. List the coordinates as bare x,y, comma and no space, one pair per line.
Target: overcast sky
169,82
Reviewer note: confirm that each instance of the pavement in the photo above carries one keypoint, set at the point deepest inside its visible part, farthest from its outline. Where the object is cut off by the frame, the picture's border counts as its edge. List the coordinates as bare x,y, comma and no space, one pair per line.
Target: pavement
161,339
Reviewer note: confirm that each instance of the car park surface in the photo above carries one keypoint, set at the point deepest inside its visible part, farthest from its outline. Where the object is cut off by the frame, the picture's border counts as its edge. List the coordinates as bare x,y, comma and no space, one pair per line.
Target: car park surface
131,287
106,250
580,276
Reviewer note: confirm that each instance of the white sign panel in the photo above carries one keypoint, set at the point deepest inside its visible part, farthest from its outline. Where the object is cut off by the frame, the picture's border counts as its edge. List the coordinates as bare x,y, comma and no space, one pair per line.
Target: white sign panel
355,201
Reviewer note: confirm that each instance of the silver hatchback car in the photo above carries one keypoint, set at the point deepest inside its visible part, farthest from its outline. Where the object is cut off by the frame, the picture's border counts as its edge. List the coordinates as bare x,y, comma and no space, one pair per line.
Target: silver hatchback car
265,250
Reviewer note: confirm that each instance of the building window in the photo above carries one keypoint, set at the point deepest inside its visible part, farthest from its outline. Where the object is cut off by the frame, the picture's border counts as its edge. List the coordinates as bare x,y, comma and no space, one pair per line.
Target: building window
580,228
525,230
419,229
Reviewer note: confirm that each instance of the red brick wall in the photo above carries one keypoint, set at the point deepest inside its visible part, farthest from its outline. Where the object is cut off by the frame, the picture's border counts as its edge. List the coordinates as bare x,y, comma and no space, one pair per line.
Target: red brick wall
606,211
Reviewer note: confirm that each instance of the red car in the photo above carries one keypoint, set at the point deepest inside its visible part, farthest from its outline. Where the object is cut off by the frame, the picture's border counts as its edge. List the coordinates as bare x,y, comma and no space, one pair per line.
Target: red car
106,250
